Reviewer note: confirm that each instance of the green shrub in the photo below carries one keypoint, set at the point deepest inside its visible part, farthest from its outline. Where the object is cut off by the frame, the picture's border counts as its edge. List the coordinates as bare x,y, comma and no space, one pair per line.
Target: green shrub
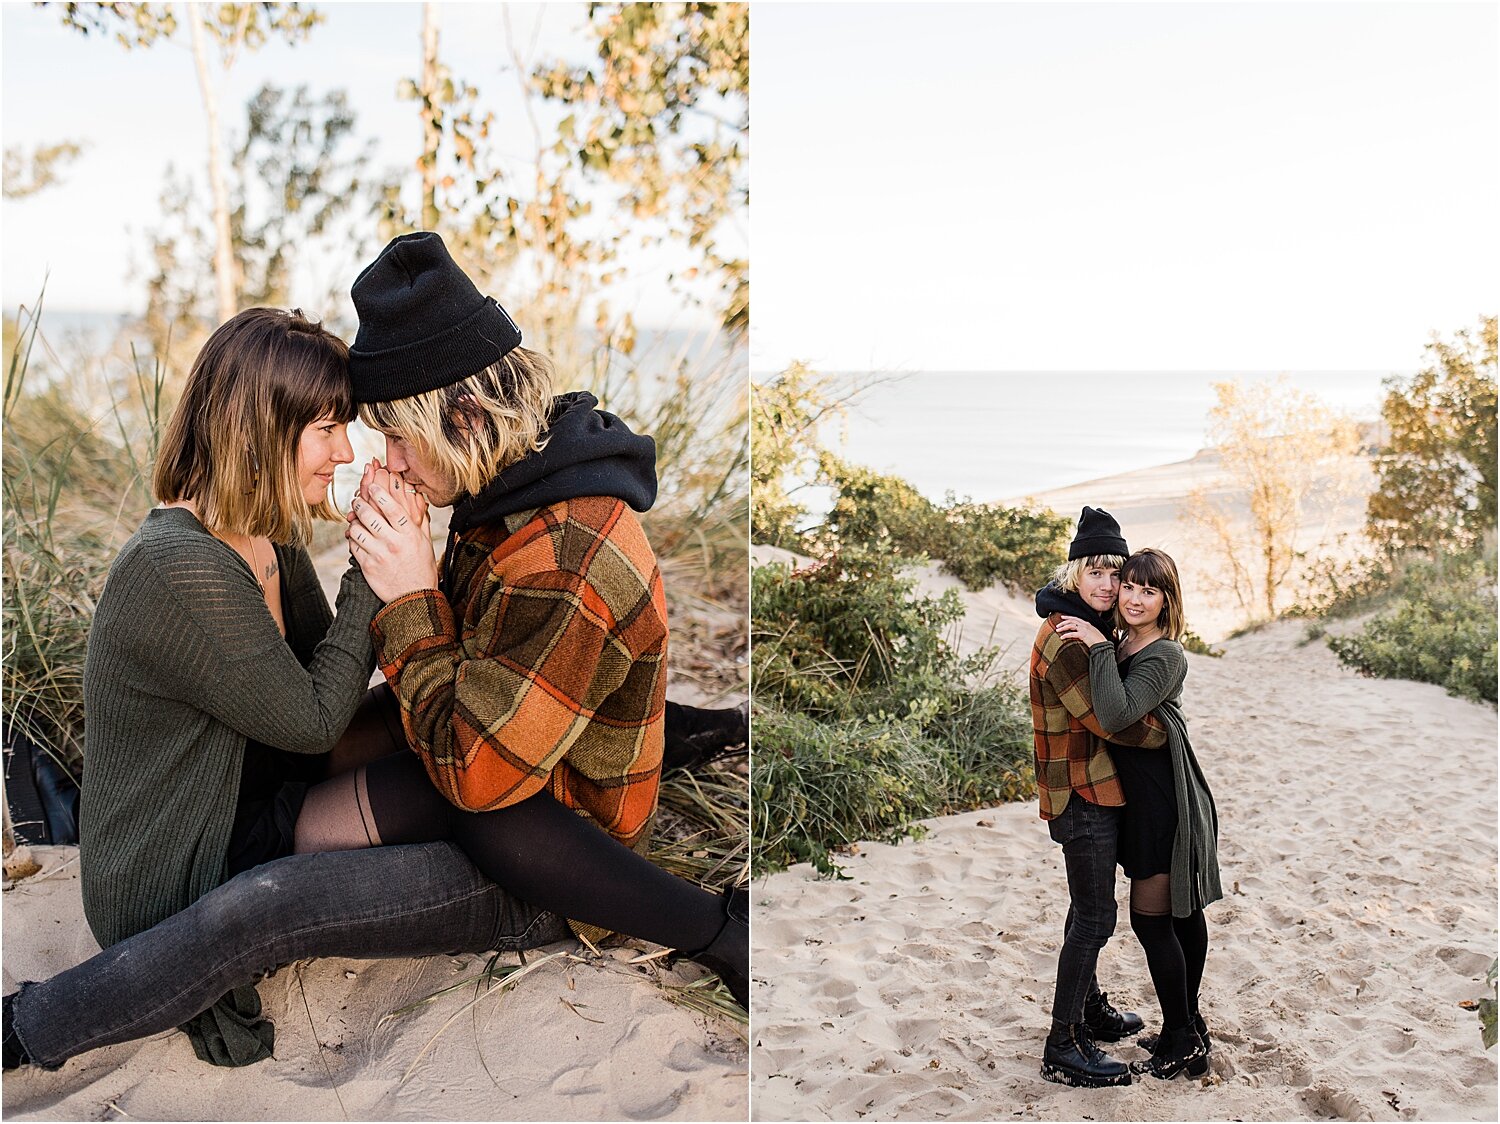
819,786
866,719
1192,642
1439,627
847,637
873,510
983,544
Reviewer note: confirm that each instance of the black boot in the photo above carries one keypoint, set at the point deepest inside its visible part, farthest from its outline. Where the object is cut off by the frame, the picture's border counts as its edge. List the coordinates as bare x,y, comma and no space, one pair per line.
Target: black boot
1149,1041
1071,1058
728,955
697,735
1105,1023
1178,1050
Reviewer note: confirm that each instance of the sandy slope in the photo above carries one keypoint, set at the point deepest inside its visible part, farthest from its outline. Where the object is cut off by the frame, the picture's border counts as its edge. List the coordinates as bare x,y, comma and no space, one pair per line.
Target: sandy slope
1358,837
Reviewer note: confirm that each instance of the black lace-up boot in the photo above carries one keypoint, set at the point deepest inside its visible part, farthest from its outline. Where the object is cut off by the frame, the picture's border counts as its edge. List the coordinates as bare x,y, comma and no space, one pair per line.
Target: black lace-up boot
1071,1058
1177,1050
1107,1024
1148,1041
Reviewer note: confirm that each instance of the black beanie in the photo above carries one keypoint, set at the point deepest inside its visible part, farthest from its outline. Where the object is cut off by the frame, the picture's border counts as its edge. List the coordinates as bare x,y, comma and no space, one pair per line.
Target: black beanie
422,323
1098,534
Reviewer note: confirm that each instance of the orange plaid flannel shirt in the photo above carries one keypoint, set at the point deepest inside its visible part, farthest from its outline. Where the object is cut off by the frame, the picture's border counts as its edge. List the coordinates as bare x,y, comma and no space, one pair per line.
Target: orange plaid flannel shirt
1070,752
547,670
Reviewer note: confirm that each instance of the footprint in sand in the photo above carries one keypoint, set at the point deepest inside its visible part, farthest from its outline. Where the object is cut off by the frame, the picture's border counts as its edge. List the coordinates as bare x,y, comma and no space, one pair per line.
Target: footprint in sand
1465,962
1340,1104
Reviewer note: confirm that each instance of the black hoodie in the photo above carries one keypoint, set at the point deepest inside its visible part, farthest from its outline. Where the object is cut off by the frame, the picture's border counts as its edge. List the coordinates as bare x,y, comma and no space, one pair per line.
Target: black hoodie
1052,598
589,452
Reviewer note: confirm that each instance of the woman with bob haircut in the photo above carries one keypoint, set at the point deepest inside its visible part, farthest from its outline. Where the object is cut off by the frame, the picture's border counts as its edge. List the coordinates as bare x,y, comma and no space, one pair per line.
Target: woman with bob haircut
1168,843
228,829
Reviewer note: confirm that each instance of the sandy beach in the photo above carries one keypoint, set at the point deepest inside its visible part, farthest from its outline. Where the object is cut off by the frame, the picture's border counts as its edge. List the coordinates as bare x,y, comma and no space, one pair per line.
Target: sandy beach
1359,860
581,1037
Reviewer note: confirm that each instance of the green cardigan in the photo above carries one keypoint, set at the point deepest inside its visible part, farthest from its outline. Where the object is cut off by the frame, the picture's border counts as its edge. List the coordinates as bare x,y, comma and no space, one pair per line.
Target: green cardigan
1154,686
185,663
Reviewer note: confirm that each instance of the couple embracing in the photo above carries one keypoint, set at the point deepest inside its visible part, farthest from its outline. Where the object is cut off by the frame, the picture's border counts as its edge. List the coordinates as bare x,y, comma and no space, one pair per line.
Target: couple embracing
1119,783
248,803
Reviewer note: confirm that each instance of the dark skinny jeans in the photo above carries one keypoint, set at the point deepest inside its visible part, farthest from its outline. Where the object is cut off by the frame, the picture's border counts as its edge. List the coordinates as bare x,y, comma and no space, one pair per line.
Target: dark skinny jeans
1090,836
419,900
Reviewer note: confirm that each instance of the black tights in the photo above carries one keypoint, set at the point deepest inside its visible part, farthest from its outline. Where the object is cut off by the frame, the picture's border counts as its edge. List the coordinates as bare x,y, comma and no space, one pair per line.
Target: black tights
537,849
1176,948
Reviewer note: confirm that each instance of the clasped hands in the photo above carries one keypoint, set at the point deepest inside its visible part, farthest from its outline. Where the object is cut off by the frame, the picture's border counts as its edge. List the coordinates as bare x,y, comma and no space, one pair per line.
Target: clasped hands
1080,629
390,535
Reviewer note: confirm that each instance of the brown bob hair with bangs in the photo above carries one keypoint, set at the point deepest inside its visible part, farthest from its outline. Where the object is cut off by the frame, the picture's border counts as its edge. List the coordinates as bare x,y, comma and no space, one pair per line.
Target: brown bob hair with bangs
230,447
1151,567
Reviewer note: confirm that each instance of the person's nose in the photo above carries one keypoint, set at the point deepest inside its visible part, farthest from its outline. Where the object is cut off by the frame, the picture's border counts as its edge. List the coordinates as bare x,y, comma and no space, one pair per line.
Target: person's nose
343,451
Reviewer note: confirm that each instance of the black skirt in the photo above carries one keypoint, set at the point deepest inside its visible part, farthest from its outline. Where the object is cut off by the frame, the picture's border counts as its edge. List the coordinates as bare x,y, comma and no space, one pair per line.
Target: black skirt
1149,820
273,784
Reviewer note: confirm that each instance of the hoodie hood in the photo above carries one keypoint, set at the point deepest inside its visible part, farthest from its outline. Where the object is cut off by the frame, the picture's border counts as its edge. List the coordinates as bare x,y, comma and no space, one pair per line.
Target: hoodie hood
1052,598
589,452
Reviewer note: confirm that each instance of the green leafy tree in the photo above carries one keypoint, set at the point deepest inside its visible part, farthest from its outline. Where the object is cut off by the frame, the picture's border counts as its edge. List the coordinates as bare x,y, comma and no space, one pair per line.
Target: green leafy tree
298,170
785,413
664,111
1437,472
232,27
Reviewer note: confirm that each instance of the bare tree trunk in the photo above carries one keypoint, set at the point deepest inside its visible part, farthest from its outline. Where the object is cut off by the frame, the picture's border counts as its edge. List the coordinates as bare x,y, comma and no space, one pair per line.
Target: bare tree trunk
224,268
1271,579
432,134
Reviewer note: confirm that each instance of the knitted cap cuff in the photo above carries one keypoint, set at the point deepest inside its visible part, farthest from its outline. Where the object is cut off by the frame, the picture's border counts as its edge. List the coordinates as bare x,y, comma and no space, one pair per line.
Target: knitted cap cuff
468,347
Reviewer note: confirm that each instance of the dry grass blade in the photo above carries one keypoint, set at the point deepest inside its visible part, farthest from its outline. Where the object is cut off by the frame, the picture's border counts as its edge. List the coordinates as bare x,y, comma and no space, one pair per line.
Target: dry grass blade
707,996
510,981
577,1012
489,973
312,1026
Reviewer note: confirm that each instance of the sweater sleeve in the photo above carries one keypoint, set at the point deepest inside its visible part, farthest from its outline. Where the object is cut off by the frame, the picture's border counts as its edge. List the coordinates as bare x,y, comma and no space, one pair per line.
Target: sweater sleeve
1155,676
1068,673
492,710
217,646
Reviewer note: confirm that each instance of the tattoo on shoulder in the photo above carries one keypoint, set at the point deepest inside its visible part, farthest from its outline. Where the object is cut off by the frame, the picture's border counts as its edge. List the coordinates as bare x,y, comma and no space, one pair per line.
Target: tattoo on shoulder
271,569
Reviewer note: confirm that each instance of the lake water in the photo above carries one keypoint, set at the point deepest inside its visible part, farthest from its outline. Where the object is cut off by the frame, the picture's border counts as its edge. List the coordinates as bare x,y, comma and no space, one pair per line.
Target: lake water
1001,435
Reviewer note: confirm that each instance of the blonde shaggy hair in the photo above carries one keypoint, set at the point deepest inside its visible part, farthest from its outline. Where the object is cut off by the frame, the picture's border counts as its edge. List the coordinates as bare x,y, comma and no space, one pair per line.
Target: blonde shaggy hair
1066,576
231,445
475,428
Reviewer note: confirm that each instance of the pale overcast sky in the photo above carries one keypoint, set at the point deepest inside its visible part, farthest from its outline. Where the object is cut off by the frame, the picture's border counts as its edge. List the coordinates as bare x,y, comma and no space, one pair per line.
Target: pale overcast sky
1122,186
136,111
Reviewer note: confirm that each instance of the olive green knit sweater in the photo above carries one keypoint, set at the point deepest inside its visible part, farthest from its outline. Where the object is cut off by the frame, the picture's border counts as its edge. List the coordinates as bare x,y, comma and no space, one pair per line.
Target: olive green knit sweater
1154,686
184,664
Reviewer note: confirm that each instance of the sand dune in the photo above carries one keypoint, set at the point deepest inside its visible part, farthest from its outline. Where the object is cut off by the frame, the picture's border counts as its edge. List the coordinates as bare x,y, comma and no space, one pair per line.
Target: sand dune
1359,854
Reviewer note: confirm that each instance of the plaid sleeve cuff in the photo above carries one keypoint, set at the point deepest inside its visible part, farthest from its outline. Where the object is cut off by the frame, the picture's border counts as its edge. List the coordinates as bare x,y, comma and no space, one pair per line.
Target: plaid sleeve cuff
410,624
